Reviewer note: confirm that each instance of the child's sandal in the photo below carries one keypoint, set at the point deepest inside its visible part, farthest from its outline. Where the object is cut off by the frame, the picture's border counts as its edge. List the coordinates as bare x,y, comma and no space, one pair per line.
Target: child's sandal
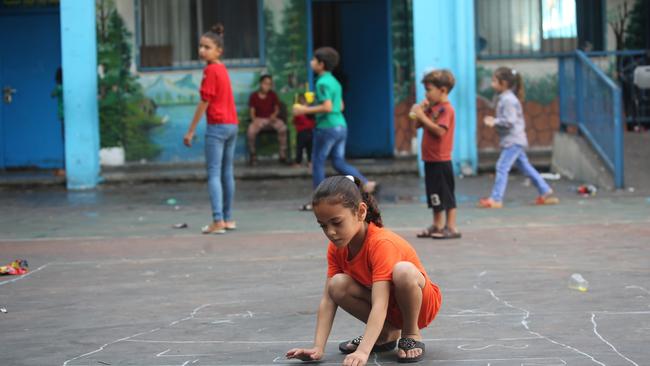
428,232
214,228
446,233
407,344
343,346
489,203
547,200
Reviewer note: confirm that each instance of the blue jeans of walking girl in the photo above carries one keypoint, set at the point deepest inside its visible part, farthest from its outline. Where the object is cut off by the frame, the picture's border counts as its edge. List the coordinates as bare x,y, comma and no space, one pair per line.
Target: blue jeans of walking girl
515,155
219,157
330,142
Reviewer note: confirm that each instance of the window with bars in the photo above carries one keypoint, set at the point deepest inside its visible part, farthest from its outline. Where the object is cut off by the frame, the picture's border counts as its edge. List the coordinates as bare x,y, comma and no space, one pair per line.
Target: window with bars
169,31
531,28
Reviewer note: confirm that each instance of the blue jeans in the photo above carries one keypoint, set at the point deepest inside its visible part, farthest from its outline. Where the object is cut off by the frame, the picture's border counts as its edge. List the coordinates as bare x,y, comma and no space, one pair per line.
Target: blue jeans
219,157
515,155
330,142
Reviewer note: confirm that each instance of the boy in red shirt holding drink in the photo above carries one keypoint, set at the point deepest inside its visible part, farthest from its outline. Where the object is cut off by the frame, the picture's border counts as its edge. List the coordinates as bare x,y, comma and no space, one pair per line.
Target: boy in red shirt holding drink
437,117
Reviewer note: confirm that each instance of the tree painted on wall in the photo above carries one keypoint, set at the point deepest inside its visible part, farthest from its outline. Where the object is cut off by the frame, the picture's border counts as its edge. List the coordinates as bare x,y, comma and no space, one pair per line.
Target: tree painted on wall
286,56
402,34
126,116
286,49
636,35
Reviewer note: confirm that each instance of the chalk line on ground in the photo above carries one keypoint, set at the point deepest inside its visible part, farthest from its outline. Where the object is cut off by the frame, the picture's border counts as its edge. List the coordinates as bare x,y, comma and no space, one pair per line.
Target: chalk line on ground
524,322
593,321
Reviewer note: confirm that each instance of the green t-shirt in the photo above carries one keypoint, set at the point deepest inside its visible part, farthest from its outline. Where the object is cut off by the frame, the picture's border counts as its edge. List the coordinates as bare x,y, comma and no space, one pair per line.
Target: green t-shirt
328,88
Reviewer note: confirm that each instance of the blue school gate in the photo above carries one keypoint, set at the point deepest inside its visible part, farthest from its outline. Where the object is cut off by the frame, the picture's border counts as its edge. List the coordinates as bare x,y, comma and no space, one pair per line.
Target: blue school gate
37,38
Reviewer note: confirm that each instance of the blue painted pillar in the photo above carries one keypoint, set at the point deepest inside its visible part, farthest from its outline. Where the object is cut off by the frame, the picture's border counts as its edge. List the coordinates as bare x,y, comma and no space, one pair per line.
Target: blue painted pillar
79,63
443,37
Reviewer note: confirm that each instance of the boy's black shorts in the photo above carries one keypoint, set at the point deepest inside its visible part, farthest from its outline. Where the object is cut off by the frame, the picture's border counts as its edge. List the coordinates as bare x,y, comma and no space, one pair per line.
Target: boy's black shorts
439,181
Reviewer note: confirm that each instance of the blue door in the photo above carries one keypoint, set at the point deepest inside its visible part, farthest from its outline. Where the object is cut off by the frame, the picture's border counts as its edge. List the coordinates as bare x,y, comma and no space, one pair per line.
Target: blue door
31,134
360,31
367,67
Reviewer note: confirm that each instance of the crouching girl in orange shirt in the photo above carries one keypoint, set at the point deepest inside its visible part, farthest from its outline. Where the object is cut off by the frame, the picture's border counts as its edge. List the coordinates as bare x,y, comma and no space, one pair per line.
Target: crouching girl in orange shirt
373,274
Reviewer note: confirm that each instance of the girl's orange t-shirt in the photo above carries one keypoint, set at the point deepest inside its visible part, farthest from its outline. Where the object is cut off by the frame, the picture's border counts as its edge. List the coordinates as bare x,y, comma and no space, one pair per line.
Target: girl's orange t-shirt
381,251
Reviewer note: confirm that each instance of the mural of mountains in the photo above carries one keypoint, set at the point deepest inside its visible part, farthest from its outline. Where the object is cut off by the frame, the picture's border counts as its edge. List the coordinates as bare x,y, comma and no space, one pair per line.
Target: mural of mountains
164,90
187,82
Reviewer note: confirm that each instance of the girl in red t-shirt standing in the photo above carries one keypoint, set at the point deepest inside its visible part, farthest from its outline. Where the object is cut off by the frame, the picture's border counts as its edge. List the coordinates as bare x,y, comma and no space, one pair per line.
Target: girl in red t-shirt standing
218,103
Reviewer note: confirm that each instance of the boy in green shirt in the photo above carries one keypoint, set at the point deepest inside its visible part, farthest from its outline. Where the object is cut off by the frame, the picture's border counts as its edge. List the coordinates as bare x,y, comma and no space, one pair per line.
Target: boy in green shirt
331,130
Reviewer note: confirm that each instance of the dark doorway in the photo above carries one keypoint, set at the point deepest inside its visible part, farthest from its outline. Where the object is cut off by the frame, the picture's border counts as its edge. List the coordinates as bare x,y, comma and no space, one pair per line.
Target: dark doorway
360,31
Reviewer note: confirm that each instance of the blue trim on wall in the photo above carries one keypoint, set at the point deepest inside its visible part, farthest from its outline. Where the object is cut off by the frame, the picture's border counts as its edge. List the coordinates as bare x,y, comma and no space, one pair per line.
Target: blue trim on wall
260,63
391,105
137,19
79,53
310,42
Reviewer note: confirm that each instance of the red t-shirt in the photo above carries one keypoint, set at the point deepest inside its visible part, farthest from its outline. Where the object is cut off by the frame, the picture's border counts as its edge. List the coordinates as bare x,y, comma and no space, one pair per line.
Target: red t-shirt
216,90
264,107
303,122
436,148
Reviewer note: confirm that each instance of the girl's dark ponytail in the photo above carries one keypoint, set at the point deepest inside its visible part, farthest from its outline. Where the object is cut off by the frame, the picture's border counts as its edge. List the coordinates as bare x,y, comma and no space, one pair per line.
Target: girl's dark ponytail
373,215
519,86
348,191
513,79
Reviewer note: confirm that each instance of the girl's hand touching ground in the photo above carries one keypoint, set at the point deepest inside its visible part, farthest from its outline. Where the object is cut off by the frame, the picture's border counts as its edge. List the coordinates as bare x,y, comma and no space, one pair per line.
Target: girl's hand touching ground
357,358
309,354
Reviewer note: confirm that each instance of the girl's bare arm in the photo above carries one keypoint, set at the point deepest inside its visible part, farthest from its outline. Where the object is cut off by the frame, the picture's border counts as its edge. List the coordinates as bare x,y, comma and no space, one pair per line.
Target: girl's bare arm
377,317
324,321
201,107
325,318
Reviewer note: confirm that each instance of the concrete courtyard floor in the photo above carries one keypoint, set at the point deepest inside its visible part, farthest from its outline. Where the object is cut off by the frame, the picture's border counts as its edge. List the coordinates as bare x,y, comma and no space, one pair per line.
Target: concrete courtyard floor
112,283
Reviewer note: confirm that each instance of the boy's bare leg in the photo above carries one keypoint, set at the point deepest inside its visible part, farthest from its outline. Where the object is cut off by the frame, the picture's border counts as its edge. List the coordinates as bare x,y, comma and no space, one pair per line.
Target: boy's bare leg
254,129
356,300
281,128
409,282
438,220
451,219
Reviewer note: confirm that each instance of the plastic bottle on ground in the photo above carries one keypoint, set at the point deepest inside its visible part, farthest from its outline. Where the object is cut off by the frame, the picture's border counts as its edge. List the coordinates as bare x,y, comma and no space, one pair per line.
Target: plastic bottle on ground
577,282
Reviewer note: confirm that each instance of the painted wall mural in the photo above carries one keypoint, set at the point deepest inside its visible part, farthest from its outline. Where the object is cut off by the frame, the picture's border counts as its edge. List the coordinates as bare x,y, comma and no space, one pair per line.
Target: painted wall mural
176,93
176,96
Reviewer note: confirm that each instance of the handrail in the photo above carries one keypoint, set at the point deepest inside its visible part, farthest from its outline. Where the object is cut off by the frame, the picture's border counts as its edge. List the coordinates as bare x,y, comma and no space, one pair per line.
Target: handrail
583,57
593,101
615,53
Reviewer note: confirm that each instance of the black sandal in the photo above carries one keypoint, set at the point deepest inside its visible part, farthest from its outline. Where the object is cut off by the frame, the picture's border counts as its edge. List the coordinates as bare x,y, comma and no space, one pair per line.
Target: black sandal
428,232
407,344
377,348
446,234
